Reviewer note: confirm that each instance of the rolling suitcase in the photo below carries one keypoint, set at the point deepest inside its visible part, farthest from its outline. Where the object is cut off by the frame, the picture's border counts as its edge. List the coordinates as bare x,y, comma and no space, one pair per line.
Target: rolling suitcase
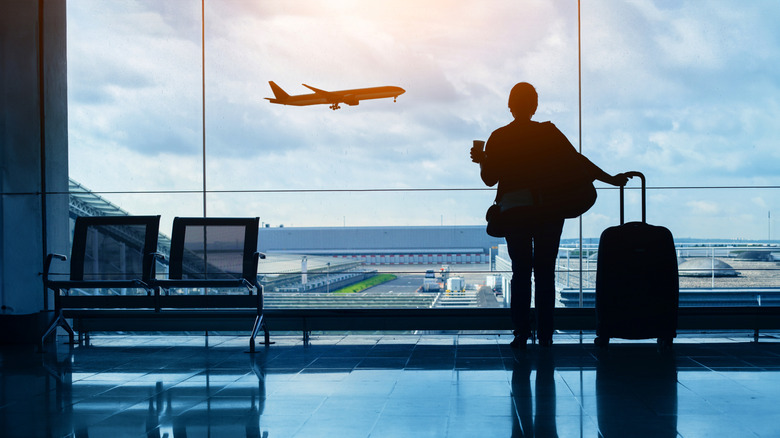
637,287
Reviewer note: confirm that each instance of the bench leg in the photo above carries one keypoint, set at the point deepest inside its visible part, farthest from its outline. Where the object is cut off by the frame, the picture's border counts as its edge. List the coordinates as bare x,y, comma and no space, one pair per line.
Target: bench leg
259,323
58,321
255,328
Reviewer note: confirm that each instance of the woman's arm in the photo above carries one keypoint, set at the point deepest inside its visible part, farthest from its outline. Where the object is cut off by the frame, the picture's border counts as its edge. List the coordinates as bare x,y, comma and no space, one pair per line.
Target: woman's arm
597,173
617,180
486,168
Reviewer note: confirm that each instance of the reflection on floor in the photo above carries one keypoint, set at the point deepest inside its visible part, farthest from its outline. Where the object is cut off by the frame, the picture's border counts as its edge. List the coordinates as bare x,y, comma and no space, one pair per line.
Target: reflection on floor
392,386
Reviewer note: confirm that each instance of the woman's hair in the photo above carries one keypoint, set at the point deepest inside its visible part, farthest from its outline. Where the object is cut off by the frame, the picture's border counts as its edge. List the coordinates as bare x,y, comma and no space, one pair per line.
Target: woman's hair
523,99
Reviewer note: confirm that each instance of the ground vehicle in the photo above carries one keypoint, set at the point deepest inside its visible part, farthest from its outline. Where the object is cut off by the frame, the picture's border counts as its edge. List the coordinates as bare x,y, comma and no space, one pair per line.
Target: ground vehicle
456,284
429,282
493,282
444,272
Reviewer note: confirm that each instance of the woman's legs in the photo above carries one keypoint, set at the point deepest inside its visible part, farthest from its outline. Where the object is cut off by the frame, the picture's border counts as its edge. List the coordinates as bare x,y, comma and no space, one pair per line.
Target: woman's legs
521,252
547,237
534,248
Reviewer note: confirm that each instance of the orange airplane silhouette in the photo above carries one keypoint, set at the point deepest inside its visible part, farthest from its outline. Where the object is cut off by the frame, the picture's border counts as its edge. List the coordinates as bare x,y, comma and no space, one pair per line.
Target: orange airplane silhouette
334,98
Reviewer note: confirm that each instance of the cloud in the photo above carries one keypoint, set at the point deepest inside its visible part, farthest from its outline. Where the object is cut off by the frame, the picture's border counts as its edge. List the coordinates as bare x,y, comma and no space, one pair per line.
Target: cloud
760,202
703,208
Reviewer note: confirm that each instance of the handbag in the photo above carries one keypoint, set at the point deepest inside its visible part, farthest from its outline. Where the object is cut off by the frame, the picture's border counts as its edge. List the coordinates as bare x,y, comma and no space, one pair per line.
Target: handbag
562,201
568,200
495,226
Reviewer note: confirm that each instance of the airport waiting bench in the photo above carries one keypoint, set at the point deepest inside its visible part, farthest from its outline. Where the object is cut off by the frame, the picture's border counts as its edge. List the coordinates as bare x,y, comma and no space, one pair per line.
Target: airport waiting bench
119,253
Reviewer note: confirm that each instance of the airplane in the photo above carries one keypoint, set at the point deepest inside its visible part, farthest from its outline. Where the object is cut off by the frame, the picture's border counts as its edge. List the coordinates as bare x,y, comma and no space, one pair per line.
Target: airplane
334,98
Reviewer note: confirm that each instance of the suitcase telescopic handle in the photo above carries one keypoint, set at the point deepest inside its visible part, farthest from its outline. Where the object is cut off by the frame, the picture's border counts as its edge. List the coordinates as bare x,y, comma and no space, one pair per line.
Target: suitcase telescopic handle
644,190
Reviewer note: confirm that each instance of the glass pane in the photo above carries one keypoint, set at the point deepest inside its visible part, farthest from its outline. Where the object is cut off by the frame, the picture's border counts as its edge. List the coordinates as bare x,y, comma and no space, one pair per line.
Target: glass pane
213,252
114,252
380,190
134,106
683,94
679,92
738,270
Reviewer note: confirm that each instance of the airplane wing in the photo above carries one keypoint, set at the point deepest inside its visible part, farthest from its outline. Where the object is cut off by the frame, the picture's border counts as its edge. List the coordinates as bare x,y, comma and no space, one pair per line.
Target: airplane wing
323,93
335,97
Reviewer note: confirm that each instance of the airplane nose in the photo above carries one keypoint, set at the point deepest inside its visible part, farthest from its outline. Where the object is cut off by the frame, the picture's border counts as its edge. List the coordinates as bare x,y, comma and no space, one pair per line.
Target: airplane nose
400,91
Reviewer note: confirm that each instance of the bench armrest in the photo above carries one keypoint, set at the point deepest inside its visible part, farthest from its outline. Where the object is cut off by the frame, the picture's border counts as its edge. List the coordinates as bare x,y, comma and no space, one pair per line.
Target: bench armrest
47,265
255,285
148,284
150,289
152,259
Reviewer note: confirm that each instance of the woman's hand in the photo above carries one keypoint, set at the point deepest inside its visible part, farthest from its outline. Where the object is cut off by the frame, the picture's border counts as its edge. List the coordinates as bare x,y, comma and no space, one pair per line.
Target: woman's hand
477,154
620,180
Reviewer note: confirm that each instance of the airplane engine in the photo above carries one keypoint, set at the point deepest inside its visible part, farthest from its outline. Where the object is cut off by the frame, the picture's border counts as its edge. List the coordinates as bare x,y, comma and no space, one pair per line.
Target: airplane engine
351,100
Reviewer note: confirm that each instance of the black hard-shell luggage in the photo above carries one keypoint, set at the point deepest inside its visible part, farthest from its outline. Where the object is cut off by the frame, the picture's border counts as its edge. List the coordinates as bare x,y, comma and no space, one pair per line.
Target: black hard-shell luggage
637,287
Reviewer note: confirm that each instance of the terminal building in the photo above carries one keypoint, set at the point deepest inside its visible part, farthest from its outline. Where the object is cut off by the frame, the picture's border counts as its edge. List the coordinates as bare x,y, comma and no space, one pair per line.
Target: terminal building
415,245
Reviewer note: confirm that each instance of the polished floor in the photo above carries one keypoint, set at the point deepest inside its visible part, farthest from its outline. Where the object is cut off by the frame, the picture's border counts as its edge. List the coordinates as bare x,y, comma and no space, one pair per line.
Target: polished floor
382,385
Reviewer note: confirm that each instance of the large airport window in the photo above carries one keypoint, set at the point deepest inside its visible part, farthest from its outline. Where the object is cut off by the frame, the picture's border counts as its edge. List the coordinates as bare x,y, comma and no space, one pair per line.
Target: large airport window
187,107
134,119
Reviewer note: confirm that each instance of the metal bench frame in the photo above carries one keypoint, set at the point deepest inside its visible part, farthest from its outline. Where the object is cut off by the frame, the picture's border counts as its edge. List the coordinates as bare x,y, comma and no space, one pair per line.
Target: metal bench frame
61,288
158,309
197,303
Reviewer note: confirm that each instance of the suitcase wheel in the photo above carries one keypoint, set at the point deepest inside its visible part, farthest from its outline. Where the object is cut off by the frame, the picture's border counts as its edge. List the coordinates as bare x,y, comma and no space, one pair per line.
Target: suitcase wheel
601,341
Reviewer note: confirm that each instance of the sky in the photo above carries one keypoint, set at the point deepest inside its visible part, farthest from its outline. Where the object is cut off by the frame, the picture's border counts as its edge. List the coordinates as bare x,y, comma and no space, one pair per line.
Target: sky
684,91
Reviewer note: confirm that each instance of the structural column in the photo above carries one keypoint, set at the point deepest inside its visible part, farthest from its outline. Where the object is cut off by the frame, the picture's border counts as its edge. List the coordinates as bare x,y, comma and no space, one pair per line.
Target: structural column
33,159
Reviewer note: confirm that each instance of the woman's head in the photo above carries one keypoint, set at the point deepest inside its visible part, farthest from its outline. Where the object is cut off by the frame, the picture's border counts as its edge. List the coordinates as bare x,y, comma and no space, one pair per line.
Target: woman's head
523,100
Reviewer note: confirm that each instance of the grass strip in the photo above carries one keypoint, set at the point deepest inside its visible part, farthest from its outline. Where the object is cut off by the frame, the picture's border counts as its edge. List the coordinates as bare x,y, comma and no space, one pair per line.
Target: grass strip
365,284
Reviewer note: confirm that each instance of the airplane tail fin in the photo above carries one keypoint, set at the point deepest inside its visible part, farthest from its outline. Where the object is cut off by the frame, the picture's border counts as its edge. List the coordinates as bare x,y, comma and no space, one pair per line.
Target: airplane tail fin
278,92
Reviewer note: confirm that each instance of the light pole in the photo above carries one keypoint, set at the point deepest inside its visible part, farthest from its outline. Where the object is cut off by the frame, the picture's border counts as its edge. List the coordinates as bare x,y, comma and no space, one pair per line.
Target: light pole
304,272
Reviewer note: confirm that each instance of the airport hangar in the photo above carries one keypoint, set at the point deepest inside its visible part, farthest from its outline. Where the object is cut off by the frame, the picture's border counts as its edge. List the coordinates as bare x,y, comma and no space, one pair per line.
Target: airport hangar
416,245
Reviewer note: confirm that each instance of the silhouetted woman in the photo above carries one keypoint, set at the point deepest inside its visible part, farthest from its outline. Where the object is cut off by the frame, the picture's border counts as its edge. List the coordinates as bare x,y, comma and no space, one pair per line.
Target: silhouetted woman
524,157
